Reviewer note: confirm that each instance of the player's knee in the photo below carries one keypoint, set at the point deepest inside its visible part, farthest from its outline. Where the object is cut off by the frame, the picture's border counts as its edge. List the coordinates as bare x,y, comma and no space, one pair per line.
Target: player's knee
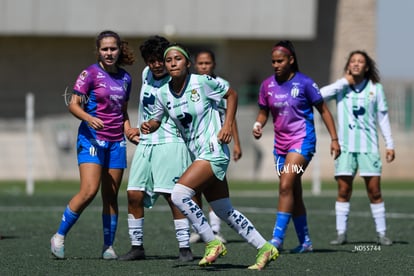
222,207
180,193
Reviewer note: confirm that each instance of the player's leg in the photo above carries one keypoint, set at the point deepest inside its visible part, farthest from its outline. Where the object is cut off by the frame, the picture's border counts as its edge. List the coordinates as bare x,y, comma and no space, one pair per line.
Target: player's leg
345,169
89,186
194,236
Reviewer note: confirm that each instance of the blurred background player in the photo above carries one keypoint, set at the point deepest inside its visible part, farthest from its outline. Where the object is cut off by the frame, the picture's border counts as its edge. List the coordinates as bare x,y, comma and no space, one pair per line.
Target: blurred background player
205,63
289,96
361,106
152,173
100,99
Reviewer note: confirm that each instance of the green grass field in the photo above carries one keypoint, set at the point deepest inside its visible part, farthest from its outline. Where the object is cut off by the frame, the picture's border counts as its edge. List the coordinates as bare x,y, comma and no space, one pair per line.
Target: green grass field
28,222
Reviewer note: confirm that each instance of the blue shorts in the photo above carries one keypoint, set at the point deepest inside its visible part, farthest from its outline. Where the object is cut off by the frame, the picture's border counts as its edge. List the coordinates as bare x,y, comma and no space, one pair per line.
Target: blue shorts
111,155
281,158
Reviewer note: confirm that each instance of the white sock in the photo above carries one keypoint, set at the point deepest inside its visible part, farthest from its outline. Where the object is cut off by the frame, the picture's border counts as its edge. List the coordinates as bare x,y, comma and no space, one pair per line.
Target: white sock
215,221
378,213
238,222
342,212
136,230
182,232
181,196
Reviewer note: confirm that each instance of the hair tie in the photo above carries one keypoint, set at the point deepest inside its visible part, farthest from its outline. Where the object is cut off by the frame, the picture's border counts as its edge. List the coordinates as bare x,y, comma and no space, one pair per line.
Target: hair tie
179,49
282,49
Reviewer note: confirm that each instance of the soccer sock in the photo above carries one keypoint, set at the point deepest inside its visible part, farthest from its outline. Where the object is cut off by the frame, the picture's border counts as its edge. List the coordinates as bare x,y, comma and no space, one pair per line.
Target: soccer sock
69,218
237,221
110,223
182,232
215,221
301,227
136,230
342,212
378,213
281,224
181,197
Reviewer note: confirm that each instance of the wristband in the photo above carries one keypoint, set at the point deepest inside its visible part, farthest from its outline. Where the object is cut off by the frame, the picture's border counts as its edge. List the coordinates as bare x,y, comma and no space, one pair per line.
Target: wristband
257,125
336,139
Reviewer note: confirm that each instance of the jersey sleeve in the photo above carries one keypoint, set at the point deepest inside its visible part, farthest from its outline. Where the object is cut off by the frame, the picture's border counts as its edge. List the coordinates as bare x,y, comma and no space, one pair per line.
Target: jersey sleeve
382,102
215,89
83,83
312,92
329,91
262,100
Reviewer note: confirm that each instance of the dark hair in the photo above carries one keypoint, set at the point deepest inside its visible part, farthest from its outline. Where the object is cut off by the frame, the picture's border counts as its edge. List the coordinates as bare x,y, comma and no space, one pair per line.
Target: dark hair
287,44
126,56
372,72
206,51
154,47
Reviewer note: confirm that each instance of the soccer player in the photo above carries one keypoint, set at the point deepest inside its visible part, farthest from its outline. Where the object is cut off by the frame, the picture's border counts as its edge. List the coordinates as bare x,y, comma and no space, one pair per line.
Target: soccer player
190,100
205,63
100,99
361,106
289,96
151,173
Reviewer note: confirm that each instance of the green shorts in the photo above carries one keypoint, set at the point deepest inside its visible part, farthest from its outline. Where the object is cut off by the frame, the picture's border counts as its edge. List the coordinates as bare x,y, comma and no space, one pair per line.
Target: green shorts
369,164
156,168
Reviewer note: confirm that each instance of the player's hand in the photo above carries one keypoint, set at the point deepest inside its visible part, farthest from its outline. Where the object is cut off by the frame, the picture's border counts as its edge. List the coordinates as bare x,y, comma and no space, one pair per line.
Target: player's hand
146,128
225,135
237,153
95,123
257,130
389,155
132,135
335,149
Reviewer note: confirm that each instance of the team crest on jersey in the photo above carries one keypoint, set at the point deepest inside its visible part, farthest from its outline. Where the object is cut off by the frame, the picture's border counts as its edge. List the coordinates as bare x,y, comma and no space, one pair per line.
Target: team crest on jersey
294,92
371,96
195,97
83,75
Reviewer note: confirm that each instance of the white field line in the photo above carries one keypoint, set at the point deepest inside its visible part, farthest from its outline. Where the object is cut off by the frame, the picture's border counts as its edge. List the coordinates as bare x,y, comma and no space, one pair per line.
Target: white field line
165,208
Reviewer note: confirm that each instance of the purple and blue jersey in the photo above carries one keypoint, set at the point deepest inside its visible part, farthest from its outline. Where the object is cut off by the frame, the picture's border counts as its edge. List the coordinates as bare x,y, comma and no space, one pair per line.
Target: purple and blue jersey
104,95
291,105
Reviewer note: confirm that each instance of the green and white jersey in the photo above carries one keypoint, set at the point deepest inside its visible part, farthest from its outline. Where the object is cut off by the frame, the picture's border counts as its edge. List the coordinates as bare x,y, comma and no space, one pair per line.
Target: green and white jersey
222,105
358,112
168,131
195,113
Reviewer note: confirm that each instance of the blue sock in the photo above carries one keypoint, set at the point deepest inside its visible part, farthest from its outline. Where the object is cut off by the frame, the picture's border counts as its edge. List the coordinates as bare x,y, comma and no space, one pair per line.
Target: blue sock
69,218
281,224
301,227
110,223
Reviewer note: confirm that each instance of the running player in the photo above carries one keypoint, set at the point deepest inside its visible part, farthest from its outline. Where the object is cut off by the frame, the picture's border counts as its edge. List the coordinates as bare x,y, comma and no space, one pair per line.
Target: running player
190,100
151,174
361,105
100,99
289,96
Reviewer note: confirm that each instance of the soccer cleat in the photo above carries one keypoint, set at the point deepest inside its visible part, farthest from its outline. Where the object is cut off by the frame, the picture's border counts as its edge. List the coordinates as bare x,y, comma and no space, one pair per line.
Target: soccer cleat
266,254
340,239
108,253
57,246
220,237
195,237
214,249
383,240
185,254
277,243
305,247
136,252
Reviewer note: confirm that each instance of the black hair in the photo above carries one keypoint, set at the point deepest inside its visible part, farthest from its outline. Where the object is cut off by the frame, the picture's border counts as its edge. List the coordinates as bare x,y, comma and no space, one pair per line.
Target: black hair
289,46
154,47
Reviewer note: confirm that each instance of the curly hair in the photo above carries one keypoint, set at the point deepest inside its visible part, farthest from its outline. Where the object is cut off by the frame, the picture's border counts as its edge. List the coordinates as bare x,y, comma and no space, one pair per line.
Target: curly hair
372,72
154,47
126,56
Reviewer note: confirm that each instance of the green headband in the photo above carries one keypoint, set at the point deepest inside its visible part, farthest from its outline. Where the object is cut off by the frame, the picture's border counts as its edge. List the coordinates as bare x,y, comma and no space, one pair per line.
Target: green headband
179,49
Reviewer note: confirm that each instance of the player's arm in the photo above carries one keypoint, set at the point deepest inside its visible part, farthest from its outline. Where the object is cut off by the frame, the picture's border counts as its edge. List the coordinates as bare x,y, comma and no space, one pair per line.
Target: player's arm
132,134
150,126
225,134
237,151
330,125
75,107
261,120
